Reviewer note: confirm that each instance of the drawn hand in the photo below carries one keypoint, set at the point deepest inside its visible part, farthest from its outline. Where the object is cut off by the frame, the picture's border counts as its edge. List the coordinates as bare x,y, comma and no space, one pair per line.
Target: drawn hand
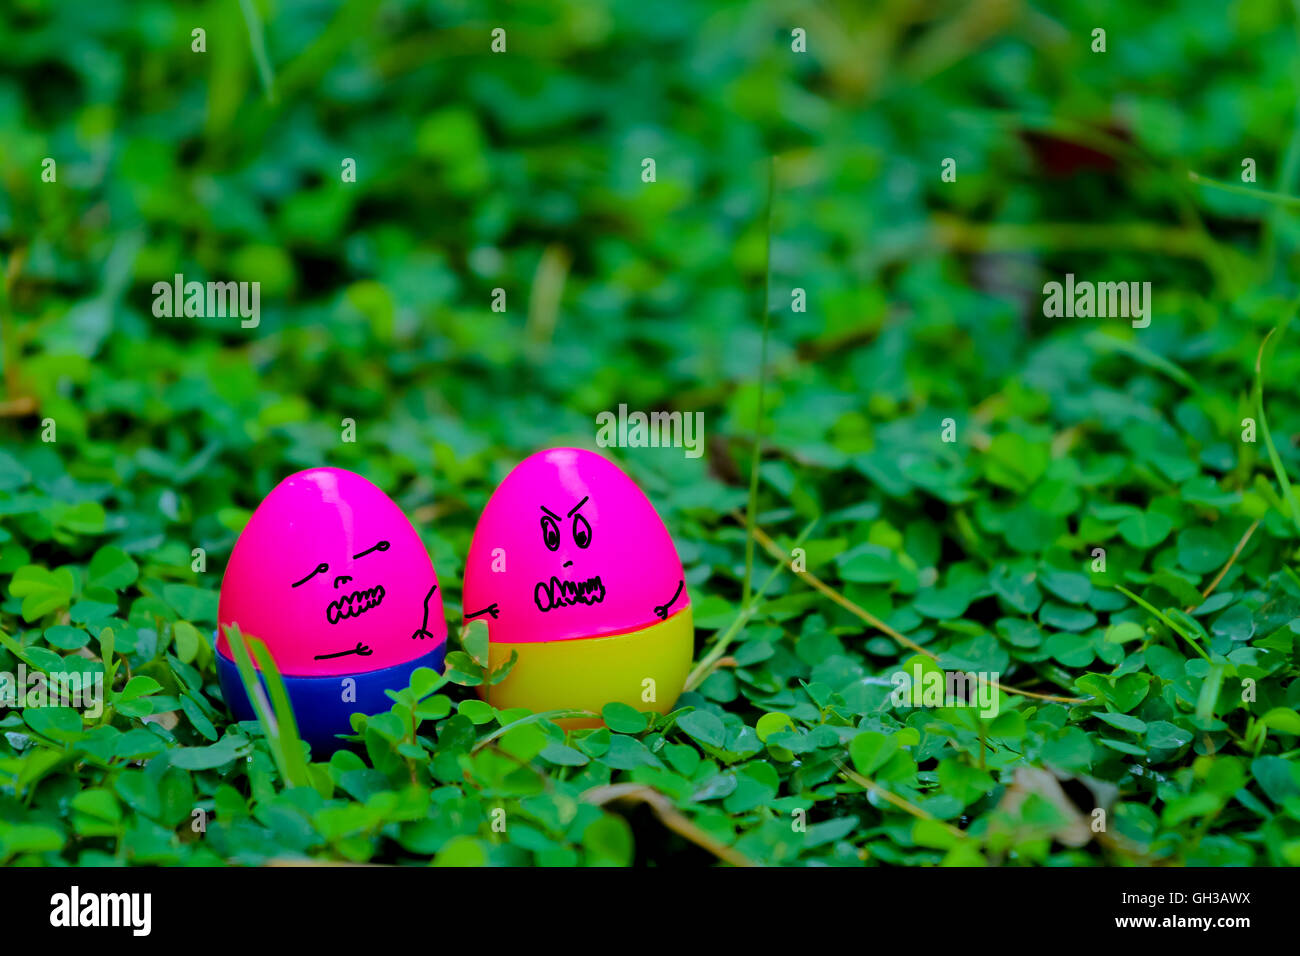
361,649
661,610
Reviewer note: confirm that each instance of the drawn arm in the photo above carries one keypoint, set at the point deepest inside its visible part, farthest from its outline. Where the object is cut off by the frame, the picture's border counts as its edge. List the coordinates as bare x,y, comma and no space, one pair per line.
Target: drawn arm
662,609
424,632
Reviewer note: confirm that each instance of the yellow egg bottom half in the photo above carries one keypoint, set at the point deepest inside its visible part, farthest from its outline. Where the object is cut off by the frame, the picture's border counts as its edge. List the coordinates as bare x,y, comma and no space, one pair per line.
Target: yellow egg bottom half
588,673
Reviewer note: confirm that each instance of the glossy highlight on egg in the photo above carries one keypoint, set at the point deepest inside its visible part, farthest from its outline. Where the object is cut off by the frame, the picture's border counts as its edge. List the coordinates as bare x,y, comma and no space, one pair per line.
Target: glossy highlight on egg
574,571
331,575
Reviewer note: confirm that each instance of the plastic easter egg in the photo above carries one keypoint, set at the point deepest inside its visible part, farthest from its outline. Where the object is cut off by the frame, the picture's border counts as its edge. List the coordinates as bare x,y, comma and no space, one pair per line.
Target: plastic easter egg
573,570
331,575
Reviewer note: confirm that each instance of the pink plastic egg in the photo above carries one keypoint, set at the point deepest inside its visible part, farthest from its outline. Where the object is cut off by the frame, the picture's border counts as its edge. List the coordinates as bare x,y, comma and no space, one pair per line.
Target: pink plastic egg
575,572
331,575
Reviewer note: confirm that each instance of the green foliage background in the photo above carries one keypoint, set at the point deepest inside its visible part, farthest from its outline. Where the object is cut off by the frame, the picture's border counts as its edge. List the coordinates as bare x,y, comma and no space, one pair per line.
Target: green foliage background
1177,711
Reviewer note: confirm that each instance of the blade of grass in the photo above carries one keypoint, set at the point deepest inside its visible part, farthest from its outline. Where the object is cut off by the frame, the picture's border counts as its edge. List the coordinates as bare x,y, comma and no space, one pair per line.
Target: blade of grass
710,660
1295,578
261,706
751,507
1276,460
544,298
1209,694
952,232
530,719
257,40
248,676
868,618
287,726
1101,341
1267,195
1236,553
16,649
892,798
668,815
1164,619
1269,246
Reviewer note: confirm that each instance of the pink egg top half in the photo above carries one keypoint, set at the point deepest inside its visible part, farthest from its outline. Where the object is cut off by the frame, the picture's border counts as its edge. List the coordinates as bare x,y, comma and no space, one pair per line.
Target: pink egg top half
331,575
585,554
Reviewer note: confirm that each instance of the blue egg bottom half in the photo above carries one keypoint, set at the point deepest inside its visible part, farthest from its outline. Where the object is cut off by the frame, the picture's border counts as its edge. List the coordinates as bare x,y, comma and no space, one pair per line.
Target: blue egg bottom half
318,704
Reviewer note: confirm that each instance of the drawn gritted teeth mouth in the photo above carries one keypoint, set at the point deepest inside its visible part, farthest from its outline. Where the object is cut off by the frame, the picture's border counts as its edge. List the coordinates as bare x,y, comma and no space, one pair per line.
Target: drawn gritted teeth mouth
548,595
354,604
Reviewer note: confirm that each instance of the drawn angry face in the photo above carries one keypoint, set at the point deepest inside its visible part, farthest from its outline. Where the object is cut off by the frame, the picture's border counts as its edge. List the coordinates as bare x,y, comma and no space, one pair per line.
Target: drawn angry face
332,576
569,547
555,593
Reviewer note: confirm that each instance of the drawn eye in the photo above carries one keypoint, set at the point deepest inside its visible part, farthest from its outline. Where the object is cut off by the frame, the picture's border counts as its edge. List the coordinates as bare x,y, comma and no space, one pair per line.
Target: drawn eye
381,546
551,533
320,569
581,531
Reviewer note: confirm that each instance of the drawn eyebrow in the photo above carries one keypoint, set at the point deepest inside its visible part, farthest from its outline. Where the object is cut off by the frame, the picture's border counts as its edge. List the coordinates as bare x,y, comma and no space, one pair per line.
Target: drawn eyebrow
381,546
319,569
579,504
549,512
